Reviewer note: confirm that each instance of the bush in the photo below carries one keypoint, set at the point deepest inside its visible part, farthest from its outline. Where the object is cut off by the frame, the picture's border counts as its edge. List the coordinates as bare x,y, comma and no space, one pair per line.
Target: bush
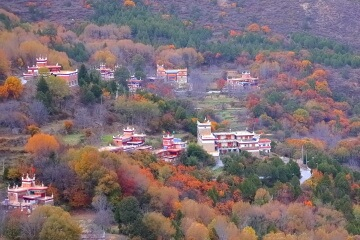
68,126
32,129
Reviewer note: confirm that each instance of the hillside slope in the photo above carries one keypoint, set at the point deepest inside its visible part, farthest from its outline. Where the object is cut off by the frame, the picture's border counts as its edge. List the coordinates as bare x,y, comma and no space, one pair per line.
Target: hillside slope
64,12
333,19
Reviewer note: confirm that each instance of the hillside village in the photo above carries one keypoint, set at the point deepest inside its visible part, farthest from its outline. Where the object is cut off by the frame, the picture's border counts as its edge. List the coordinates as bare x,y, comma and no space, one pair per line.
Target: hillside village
139,125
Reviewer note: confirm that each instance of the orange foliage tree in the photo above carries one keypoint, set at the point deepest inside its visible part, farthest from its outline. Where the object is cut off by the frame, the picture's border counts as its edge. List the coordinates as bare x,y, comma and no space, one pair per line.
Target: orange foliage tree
32,129
129,3
13,87
254,27
42,144
234,33
68,125
3,93
266,29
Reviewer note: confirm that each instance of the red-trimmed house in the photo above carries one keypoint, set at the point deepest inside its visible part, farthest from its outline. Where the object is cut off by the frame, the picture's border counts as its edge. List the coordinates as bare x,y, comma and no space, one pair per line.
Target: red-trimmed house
70,76
27,195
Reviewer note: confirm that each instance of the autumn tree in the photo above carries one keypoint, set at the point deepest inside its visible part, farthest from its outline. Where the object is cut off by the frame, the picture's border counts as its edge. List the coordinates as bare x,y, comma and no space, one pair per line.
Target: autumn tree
197,211
301,218
32,129
87,164
4,65
197,231
59,57
163,199
3,93
13,87
129,3
30,50
42,145
262,196
137,110
279,236
104,57
12,225
301,115
58,224
254,27
248,233
159,225
68,126
224,229
31,227
265,29
109,186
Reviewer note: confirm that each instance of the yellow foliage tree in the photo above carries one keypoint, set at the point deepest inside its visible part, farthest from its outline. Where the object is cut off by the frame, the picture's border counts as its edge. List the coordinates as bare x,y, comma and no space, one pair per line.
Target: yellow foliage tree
105,56
108,185
13,87
305,64
262,196
248,233
57,224
301,115
159,224
31,49
60,58
322,88
197,231
86,163
279,236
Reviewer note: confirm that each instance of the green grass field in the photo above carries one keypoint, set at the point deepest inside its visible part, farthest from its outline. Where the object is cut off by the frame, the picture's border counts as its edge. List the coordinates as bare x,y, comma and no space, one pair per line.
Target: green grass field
72,139
107,139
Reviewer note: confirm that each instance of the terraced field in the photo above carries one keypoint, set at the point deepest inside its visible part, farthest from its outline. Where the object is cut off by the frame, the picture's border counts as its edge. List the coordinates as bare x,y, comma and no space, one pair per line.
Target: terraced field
226,108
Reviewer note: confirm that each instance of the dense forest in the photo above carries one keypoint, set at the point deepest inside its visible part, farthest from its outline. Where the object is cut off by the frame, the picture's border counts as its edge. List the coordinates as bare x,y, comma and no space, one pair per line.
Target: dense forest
306,102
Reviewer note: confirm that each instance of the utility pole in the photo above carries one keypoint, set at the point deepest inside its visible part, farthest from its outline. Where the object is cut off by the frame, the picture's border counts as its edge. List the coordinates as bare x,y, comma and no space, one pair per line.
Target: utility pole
302,154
